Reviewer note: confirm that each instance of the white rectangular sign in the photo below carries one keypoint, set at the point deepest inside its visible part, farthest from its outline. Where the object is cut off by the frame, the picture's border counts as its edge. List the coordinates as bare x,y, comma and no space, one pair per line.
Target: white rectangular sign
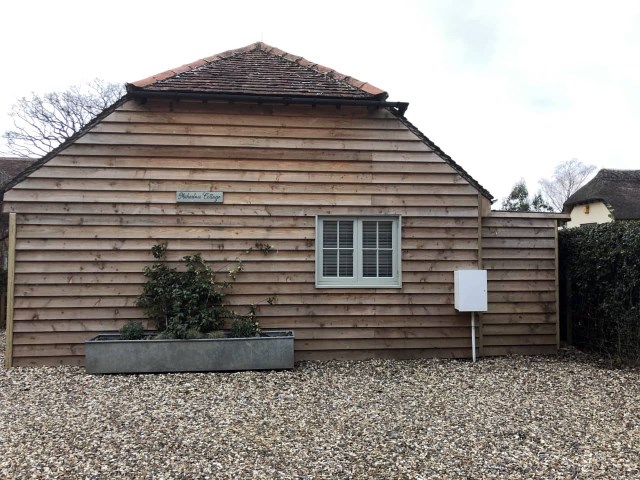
200,197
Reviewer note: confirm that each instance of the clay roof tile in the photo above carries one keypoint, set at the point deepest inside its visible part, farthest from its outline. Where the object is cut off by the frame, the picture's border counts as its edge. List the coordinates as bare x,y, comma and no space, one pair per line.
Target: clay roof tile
258,69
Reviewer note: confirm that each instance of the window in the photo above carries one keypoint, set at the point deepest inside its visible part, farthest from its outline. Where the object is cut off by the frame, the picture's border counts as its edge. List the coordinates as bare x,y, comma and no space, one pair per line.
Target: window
358,252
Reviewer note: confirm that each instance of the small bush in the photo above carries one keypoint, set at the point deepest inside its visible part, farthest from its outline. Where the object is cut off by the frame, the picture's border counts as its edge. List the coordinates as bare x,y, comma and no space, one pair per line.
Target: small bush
132,331
246,326
184,301
188,303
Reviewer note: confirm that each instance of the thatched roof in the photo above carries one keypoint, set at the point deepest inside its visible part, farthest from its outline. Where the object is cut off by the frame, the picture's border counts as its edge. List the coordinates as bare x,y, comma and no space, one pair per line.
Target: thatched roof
618,189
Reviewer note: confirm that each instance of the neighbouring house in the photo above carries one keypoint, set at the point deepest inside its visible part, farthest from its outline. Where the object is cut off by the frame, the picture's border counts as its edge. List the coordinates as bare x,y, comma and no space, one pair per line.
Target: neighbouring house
367,218
610,195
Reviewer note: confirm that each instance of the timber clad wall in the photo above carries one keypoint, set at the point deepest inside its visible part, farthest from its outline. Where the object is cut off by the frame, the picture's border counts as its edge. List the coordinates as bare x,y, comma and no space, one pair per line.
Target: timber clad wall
519,254
87,219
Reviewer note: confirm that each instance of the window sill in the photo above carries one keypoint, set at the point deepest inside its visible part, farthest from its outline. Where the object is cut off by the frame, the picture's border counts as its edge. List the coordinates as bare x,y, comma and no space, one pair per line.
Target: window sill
324,285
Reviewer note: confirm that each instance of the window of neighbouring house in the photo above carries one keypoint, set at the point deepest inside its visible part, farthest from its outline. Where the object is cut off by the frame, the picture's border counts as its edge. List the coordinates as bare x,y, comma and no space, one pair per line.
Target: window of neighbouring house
358,252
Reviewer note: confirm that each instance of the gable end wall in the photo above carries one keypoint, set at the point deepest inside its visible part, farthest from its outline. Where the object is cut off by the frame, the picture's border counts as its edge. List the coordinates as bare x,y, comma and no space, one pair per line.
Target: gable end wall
87,219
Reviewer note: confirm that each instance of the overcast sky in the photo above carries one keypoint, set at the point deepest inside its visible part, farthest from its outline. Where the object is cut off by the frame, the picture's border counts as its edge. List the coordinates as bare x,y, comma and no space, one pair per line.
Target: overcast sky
508,88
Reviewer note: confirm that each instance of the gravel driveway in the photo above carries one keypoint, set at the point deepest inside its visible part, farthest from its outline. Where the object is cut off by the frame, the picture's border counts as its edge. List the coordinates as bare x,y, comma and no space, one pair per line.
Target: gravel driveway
519,417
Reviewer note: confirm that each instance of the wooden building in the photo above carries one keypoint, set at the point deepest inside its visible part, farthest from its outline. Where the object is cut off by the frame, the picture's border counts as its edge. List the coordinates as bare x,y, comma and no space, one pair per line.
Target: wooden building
367,217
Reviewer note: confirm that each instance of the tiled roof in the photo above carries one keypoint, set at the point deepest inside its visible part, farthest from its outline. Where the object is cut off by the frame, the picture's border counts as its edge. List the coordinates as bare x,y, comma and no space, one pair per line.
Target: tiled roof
10,167
619,189
258,69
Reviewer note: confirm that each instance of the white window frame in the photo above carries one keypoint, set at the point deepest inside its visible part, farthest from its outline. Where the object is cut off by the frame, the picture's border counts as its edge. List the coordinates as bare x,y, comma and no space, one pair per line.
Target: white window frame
358,281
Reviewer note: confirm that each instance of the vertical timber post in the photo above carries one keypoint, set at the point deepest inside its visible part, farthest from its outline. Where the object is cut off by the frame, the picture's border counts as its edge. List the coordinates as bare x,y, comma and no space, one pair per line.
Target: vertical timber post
481,208
11,268
557,265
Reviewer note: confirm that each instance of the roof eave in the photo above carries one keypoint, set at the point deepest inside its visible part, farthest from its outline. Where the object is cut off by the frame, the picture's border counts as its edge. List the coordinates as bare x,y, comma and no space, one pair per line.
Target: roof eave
373,102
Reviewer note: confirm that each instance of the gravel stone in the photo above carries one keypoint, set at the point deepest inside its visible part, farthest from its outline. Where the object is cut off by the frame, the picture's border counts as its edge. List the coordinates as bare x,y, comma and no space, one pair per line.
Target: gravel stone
559,416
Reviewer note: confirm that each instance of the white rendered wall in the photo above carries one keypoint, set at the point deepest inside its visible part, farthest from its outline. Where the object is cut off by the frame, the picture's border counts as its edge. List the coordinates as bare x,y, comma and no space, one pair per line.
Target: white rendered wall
598,213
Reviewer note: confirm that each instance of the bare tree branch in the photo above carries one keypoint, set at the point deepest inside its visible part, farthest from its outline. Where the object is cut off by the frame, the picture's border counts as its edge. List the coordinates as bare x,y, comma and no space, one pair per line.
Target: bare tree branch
567,178
43,122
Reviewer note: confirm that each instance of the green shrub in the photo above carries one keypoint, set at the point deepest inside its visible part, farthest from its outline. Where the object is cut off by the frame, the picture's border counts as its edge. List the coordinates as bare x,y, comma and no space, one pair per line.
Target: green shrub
186,301
246,325
600,267
132,331
189,303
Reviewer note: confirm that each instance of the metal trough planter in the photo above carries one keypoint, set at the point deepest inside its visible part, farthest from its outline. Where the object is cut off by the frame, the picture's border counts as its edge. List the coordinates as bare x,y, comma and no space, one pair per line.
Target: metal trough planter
107,353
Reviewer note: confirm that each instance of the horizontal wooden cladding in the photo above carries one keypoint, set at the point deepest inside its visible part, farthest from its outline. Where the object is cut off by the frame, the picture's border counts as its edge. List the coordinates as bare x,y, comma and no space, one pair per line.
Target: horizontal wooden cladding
110,295
230,153
172,209
89,296
87,220
247,198
81,284
441,262
519,253
434,226
147,177
212,232
397,354
512,264
517,243
520,340
200,141
135,260
54,361
185,167
520,256
117,187
88,313
519,329
177,246
519,318
334,306
221,129
382,343
124,307
318,322
49,350
438,273
311,310
492,225
514,234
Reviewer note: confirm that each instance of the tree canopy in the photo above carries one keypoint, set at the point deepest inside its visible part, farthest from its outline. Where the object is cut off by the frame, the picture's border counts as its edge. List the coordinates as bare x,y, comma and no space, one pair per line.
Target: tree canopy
518,200
567,178
42,122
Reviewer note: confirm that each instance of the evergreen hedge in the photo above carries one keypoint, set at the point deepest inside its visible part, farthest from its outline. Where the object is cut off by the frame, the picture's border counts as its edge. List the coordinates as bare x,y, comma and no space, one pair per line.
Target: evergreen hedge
600,268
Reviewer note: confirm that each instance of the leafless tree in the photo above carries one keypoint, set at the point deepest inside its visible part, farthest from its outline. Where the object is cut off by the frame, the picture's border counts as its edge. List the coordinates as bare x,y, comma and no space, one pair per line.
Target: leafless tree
43,122
567,177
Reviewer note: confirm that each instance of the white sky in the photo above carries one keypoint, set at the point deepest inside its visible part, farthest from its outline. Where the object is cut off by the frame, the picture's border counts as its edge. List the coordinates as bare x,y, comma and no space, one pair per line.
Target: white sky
507,88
